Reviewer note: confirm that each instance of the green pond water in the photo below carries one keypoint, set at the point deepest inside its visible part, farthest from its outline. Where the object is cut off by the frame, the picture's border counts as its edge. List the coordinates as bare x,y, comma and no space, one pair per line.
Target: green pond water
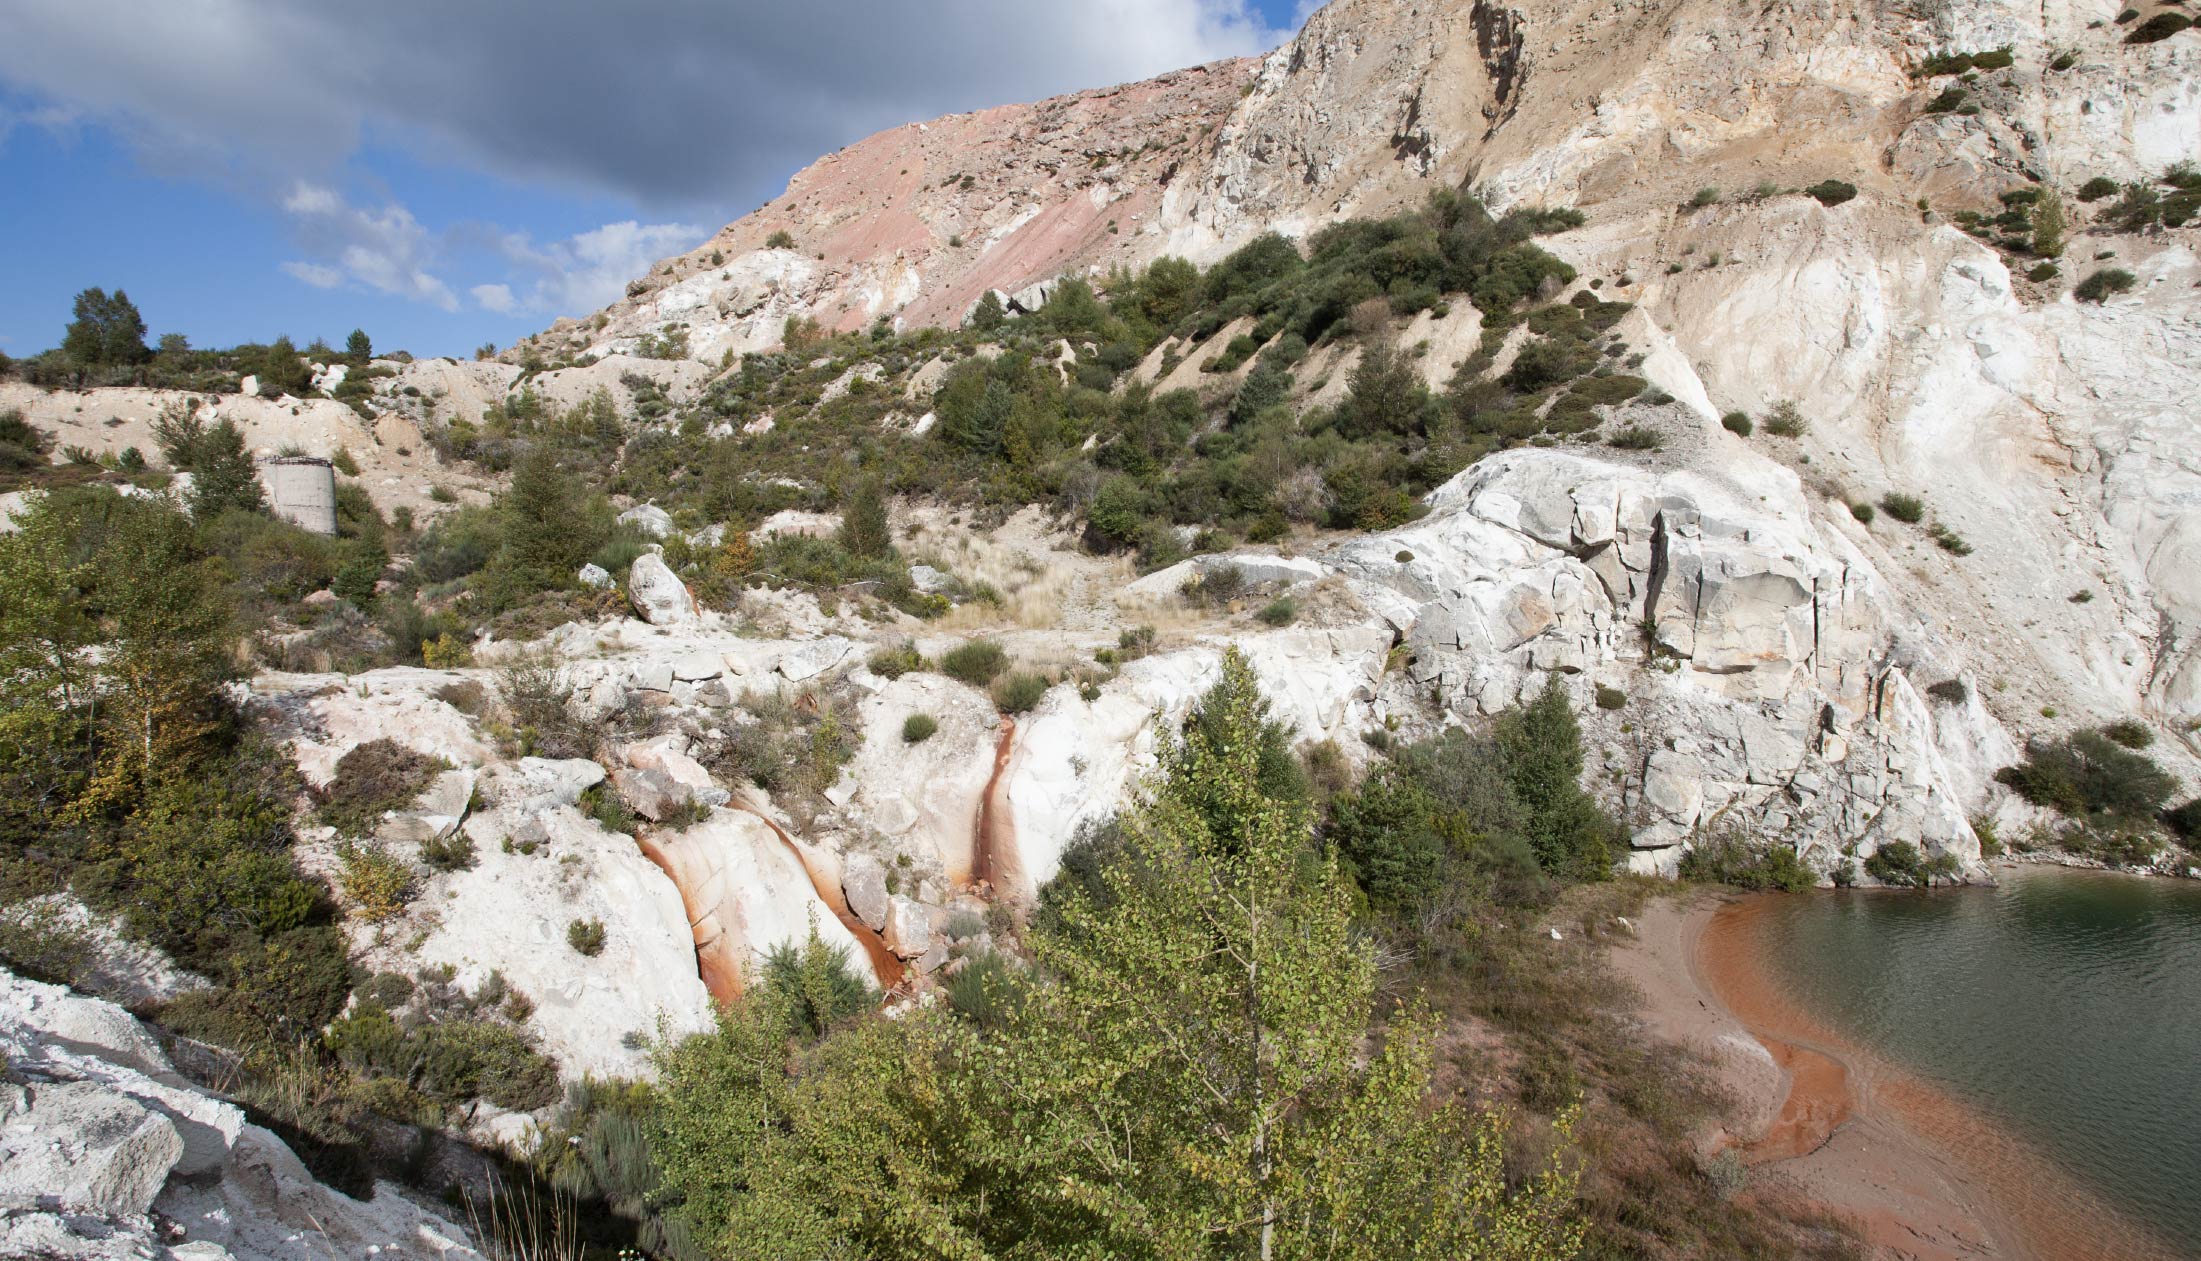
2066,1006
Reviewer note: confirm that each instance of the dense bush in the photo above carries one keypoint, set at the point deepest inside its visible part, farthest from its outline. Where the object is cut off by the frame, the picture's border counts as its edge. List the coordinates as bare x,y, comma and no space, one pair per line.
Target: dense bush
1019,692
918,728
1908,509
1729,859
1832,192
2089,773
2102,285
371,778
975,662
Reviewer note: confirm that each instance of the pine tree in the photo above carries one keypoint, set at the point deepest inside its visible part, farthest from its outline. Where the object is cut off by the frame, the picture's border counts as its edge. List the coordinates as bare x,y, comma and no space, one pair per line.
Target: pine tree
282,371
989,315
545,523
223,476
1542,746
864,529
106,332
358,348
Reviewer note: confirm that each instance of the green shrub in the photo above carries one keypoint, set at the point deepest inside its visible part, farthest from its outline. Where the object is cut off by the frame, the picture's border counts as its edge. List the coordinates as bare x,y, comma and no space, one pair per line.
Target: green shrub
1728,859
2160,27
893,663
1908,509
1898,863
918,728
2185,821
2088,773
1831,192
1863,512
1216,584
1705,197
1949,540
780,240
1279,612
603,803
448,851
2097,188
1737,423
1951,691
1786,420
378,882
1019,692
1636,438
817,983
986,991
975,662
371,778
2103,285
2130,733
1611,697
2041,272
586,936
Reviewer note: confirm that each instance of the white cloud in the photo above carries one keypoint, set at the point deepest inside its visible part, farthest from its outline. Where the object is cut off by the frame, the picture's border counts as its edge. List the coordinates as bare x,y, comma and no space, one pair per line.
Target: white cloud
669,103
497,298
590,270
386,250
315,274
312,199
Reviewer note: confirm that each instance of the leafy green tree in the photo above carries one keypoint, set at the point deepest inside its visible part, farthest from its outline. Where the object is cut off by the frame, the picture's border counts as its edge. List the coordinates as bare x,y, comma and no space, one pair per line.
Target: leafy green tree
1200,1057
107,331
1188,1074
358,348
1167,293
864,529
1265,387
223,477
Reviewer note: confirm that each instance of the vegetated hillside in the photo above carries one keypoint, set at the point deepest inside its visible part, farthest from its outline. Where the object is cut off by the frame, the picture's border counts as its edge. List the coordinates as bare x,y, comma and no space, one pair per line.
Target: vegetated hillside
1646,480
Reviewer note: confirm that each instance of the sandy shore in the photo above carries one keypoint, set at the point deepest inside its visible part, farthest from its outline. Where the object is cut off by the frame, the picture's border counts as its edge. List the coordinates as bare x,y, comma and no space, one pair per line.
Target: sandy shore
1923,1177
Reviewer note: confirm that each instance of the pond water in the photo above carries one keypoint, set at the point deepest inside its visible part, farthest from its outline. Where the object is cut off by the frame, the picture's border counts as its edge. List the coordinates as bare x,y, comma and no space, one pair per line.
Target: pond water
2065,1005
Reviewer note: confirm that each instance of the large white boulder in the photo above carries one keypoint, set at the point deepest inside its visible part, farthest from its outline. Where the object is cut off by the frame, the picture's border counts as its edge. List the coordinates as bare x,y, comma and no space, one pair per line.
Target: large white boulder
99,1139
658,593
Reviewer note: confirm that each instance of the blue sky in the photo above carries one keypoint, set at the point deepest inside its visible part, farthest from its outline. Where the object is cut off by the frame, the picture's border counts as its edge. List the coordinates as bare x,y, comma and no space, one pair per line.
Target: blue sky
445,176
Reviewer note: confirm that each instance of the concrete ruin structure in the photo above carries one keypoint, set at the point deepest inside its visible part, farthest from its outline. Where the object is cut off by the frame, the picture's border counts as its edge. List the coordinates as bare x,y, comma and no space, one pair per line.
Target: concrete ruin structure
301,489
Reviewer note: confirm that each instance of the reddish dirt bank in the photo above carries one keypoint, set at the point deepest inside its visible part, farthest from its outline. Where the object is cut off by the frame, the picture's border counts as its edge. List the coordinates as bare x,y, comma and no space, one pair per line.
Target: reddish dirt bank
994,865
1925,1176
716,959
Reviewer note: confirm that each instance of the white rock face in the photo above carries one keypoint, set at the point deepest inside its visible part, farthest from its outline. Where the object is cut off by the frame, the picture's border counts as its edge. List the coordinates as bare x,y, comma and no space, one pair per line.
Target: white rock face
102,1133
658,593
509,914
1761,652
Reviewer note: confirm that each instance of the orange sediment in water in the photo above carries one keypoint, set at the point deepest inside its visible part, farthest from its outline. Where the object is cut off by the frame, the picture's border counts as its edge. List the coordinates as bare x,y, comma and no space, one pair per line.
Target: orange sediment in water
1833,1082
